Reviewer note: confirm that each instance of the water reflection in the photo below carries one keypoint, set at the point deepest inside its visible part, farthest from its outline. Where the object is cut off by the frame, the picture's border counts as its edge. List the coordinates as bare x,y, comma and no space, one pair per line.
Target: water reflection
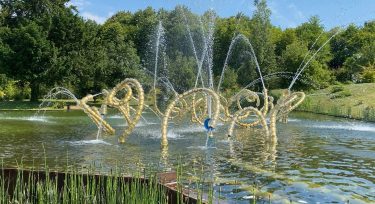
316,158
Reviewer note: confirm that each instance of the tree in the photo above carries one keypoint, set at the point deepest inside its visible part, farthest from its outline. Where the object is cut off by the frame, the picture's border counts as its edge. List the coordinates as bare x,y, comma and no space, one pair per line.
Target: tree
312,33
261,37
343,46
125,19
361,63
32,56
82,65
176,31
145,22
182,66
5,51
33,52
230,80
137,28
226,31
287,37
123,60
73,38
352,51
314,72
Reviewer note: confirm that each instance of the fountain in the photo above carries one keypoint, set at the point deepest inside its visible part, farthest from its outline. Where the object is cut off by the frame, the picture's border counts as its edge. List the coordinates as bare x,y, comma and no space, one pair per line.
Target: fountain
170,107
205,104
95,115
279,111
52,94
242,135
130,114
123,105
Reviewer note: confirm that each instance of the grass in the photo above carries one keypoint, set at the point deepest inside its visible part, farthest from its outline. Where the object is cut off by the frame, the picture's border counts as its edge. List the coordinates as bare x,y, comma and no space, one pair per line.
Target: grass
57,104
18,105
355,101
81,188
85,188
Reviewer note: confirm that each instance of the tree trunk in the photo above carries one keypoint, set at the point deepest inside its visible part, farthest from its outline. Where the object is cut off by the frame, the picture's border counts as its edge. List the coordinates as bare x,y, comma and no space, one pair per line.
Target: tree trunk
35,91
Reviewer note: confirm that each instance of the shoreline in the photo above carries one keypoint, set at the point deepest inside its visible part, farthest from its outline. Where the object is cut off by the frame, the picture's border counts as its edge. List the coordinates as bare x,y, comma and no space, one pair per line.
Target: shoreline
331,115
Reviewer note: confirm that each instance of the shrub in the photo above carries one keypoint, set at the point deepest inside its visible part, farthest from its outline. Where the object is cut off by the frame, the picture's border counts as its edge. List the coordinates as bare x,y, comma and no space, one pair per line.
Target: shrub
12,90
341,94
337,88
368,76
2,95
345,93
9,90
340,91
59,105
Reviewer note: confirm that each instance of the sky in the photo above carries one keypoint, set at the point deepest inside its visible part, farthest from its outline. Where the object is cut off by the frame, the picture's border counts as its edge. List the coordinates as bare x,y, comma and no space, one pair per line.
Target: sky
285,13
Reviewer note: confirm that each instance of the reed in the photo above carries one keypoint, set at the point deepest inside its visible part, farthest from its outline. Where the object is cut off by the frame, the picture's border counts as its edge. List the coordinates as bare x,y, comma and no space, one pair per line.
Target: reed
80,188
75,185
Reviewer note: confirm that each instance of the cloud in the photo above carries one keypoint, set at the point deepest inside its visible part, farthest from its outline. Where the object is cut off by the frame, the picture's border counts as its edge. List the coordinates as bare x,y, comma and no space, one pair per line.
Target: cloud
80,4
94,17
282,19
296,12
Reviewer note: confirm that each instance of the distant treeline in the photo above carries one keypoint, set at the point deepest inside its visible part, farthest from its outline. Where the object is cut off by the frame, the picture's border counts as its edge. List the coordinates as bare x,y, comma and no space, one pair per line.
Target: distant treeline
45,43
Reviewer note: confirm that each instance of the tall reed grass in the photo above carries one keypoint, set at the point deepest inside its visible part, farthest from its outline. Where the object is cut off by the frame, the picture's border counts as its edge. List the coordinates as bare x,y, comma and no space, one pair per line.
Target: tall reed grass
80,188
73,186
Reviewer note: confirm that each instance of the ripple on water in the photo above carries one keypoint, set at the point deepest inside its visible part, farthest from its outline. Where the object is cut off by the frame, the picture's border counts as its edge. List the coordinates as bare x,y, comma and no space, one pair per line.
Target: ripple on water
89,142
155,133
139,124
201,147
333,161
350,127
31,118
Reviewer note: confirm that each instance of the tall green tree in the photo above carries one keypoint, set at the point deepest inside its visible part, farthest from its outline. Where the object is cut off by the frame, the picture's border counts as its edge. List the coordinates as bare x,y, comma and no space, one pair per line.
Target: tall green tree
315,72
312,33
344,46
182,66
123,60
32,56
353,50
287,37
32,52
261,37
227,29
145,22
72,37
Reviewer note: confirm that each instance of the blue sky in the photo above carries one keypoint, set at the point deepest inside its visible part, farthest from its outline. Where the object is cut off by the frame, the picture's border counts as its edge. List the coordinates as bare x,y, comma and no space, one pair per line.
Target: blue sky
285,13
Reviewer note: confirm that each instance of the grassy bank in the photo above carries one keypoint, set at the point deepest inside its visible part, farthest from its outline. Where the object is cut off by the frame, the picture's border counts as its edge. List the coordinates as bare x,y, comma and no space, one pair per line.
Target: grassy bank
18,105
27,105
56,104
355,101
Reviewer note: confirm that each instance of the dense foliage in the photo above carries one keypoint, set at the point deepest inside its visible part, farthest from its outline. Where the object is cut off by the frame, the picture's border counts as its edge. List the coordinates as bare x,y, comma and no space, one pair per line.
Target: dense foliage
45,43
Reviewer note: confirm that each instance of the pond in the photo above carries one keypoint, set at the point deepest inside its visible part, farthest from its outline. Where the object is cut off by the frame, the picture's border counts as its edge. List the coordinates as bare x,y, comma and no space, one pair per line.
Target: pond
317,158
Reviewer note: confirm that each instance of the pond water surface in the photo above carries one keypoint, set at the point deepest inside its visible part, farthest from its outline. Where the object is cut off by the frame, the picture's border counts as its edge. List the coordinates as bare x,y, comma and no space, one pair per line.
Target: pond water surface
318,159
